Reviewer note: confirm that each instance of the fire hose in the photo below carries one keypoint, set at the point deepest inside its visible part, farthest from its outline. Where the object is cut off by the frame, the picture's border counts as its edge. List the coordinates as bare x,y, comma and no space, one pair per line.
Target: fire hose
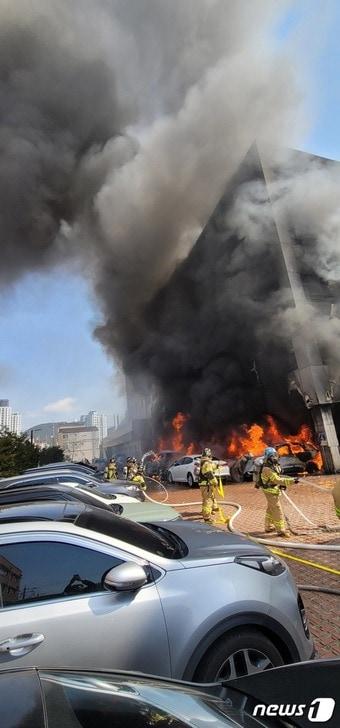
238,507
267,542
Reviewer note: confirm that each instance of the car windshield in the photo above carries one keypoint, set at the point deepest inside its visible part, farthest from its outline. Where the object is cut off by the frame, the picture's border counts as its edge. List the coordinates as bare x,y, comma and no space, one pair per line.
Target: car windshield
109,699
161,542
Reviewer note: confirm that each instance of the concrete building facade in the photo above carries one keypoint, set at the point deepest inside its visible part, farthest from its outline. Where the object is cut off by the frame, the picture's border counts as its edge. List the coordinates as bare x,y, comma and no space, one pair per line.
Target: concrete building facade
78,442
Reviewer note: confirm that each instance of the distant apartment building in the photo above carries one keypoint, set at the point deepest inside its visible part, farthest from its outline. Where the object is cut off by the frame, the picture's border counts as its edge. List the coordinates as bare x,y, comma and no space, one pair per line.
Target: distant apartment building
79,442
16,423
94,419
9,421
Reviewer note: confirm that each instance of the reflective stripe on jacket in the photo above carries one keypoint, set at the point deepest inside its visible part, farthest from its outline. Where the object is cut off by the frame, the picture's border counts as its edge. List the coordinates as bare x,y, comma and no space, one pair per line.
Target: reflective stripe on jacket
207,473
271,480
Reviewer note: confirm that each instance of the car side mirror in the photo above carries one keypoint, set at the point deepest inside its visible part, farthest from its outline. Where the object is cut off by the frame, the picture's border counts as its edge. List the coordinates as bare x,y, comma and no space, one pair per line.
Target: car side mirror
125,577
174,464
117,508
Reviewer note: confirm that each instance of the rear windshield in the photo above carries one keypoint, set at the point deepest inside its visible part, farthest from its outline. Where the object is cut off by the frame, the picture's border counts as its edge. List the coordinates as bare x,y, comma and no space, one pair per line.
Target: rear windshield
161,543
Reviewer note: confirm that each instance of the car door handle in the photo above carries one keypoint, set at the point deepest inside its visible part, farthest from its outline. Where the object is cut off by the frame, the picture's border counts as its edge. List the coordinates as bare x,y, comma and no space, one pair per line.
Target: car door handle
22,643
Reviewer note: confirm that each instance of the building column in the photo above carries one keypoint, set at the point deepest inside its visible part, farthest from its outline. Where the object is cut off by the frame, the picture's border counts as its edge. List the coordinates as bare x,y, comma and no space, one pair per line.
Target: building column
327,437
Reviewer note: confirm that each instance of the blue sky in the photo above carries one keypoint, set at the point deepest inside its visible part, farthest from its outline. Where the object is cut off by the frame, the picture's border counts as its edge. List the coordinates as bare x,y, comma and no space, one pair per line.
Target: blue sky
47,352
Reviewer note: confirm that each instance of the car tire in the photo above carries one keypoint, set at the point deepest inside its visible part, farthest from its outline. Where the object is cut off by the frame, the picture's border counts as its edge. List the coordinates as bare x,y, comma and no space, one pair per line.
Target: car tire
236,654
170,478
190,480
312,468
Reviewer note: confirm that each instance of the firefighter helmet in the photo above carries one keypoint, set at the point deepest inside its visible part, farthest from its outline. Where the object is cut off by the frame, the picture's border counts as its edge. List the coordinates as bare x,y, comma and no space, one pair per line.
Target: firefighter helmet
207,452
270,453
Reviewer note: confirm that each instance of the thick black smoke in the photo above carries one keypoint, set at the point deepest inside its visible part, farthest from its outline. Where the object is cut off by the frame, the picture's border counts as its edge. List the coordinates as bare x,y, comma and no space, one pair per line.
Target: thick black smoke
57,101
212,344
121,123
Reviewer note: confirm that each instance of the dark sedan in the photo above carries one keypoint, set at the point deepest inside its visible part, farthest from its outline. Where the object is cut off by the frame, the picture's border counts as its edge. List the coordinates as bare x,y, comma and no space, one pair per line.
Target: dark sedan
59,492
32,698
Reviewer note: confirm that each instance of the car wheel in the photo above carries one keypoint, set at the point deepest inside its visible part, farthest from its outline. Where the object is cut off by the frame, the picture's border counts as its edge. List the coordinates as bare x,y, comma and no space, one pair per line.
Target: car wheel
190,480
170,478
237,654
312,468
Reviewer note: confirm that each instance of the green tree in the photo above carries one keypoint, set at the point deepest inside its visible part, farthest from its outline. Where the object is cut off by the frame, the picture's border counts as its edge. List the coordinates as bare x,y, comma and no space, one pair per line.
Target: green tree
53,454
16,454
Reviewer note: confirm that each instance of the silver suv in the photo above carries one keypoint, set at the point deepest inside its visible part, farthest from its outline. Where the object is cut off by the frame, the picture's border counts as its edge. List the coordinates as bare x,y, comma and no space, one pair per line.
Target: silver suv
183,600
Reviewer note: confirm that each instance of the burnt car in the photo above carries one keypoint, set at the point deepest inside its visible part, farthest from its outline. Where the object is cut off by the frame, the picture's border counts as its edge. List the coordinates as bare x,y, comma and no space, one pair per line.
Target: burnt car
157,465
296,458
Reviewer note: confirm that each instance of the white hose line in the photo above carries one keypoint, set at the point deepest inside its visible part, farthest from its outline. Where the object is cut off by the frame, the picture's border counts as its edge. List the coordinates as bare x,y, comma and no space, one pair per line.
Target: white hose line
298,511
160,485
265,541
282,543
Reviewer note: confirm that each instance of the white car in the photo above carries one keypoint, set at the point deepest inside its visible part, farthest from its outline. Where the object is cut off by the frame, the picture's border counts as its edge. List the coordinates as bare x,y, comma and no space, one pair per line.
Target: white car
187,468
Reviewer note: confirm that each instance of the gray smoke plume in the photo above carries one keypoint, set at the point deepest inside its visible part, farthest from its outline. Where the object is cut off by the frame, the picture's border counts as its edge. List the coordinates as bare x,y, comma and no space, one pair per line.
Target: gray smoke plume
304,194
122,122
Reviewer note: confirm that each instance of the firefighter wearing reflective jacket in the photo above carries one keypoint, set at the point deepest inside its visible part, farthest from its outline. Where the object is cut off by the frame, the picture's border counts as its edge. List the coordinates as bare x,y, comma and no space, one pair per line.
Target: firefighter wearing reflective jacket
208,482
272,483
110,472
138,477
130,468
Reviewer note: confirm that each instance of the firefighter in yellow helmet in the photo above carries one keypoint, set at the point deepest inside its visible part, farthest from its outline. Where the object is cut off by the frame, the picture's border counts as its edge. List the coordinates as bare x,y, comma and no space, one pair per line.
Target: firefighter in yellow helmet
110,472
138,477
207,481
336,497
272,483
131,468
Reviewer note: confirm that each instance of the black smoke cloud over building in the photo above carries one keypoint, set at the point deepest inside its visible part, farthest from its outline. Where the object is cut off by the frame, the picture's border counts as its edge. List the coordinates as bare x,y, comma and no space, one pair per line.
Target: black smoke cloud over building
120,124
212,341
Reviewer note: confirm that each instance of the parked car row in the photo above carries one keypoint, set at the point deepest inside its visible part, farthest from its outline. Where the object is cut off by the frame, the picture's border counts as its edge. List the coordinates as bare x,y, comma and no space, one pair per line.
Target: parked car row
105,581
73,478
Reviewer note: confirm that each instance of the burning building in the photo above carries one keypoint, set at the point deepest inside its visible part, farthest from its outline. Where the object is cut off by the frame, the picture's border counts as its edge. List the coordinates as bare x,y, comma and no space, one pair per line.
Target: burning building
244,327
114,152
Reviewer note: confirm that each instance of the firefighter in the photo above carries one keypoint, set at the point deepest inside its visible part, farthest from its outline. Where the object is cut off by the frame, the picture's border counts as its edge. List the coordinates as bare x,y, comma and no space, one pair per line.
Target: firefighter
131,468
110,472
138,477
207,481
272,483
336,497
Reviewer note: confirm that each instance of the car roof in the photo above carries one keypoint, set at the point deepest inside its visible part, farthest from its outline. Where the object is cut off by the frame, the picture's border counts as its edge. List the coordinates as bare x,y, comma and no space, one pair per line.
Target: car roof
77,494
43,473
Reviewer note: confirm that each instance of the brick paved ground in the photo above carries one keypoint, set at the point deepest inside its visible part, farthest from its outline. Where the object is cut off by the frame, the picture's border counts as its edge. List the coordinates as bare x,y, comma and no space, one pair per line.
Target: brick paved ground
317,504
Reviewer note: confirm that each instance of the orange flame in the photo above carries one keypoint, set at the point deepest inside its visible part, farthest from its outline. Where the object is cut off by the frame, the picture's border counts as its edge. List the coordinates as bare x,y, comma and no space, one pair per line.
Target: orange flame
175,441
246,439
256,438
